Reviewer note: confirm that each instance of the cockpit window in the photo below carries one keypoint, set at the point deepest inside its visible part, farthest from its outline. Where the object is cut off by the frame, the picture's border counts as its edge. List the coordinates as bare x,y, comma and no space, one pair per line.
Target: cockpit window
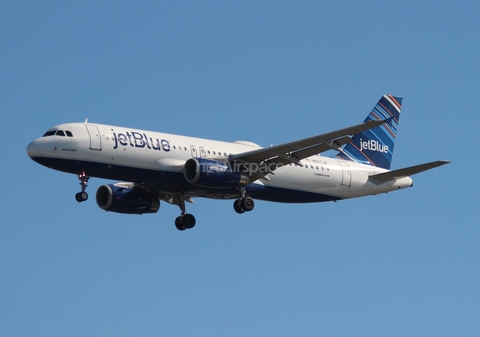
61,133
49,133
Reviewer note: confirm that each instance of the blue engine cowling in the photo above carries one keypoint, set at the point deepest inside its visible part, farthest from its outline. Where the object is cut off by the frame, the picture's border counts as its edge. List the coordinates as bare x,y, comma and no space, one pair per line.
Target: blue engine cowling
121,199
212,173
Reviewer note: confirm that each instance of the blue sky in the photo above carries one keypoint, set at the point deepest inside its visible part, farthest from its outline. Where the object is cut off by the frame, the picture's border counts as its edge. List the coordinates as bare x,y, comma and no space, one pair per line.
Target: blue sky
406,263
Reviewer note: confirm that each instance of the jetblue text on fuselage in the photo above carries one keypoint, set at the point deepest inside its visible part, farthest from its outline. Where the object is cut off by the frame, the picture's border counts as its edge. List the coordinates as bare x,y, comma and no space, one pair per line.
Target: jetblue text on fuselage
373,145
140,140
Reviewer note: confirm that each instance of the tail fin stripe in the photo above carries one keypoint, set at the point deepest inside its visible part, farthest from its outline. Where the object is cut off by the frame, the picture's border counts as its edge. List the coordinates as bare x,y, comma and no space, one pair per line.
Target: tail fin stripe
397,105
391,127
388,127
393,100
378,134
375,146
387,113
363,154
390,107
368,160
377,117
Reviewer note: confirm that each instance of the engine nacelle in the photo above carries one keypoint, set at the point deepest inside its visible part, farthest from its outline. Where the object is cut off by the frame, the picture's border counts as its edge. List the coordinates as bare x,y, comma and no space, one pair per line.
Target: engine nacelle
212,173
122,199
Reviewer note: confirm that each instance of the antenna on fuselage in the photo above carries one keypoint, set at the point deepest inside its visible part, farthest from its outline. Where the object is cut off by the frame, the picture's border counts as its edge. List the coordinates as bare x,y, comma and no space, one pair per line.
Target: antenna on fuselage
86,121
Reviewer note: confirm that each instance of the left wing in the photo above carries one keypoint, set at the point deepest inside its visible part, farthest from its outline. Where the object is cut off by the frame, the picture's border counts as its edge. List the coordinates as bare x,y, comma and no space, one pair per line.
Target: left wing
295,151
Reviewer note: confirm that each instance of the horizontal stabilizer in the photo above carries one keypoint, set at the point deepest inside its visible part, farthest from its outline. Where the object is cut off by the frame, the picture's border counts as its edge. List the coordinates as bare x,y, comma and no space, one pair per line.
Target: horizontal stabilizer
408,171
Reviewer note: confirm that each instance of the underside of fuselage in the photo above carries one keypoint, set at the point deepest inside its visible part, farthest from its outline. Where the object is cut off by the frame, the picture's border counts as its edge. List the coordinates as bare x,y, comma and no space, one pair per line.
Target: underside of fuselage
174,182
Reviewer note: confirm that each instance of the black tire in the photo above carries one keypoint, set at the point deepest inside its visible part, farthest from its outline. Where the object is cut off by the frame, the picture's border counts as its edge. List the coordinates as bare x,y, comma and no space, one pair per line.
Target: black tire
84,196
248,204
237,206
81,196
188,221
179,223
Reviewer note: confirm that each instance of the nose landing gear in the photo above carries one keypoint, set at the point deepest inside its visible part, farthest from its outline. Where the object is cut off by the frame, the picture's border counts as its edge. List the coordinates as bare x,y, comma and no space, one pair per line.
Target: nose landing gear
82,196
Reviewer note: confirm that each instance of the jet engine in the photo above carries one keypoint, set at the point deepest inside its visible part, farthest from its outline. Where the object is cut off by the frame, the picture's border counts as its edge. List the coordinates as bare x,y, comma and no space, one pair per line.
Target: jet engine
121,199
213,173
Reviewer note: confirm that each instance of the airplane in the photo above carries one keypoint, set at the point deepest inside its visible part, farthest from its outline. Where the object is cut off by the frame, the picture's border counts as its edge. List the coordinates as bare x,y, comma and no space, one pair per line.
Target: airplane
154,167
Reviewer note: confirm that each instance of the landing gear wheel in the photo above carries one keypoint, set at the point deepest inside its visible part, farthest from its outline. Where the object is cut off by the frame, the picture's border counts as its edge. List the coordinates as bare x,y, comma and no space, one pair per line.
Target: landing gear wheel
247,204
81,196
179,223
237,206
184,221
188,221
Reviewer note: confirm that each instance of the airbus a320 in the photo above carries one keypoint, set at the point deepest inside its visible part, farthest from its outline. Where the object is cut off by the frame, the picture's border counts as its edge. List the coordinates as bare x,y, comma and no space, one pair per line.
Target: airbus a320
155,167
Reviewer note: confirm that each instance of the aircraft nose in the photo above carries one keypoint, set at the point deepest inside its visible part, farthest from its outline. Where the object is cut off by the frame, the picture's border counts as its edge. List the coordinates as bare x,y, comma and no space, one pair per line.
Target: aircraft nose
35,149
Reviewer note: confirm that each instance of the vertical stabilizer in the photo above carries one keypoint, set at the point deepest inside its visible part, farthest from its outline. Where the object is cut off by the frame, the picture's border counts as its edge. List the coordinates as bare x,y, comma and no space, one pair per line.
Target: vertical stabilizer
375,147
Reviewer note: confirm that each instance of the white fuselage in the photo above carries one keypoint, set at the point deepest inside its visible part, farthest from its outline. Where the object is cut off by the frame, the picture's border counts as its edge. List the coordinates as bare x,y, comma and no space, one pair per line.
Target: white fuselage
147,157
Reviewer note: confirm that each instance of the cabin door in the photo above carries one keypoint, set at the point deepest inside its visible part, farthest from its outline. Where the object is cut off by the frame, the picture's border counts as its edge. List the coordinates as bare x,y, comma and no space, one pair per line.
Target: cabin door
95,139
346,174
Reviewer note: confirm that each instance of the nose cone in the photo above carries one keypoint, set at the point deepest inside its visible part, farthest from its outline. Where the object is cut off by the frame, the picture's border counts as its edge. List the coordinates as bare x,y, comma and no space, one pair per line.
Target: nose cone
31,149
35,149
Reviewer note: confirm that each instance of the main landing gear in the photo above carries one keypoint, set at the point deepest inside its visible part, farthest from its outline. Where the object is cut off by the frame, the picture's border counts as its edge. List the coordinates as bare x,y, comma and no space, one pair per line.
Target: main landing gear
184,221
244,204
82,196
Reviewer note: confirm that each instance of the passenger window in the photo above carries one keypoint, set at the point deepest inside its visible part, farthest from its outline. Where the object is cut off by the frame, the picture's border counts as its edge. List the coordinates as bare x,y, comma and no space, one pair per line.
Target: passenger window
60,133
69,134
